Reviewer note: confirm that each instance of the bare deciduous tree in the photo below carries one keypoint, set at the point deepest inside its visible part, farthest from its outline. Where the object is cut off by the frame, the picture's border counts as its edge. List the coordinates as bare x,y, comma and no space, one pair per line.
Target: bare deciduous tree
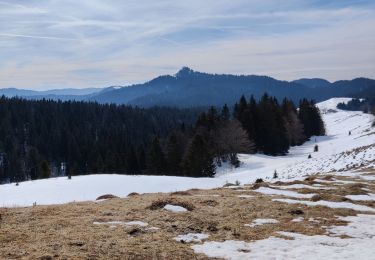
230,140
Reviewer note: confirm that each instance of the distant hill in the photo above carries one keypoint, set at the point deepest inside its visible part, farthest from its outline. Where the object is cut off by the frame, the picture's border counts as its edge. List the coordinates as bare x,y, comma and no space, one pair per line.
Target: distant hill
54,93
313,83
189,88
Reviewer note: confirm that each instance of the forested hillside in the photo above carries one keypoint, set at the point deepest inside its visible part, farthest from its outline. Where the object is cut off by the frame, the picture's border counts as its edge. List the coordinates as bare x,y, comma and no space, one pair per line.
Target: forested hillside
39,139
189,88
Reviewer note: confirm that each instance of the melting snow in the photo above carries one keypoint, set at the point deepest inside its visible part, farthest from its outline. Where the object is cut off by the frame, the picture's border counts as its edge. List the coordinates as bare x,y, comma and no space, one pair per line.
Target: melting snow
361,229
369,197
288,193
330,204
300,219
192,237
122,223
303,186
174,208
245,196
259,222
368,177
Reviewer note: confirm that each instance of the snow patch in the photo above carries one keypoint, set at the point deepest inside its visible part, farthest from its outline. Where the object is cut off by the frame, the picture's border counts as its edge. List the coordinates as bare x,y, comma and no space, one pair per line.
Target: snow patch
287,193
300,219
361,229
121,223
368,177
368,197
260,222
192,237
174,208
245,196
330,204
303,186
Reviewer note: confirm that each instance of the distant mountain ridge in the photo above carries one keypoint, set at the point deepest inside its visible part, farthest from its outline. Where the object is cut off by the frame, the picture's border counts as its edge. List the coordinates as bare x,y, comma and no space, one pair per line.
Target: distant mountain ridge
189,88
313,83
12,92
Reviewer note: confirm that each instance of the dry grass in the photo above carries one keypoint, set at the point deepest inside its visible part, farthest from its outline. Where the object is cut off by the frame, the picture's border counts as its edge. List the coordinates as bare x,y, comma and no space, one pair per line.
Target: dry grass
106,197
67,231
160,203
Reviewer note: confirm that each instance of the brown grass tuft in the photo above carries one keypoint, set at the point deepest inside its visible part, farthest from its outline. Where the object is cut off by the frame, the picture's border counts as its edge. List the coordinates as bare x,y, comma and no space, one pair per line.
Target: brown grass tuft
310,178
133,194
106,196
211,203
160,203
329,197
258,185
181,193
328,178
296,212
316,197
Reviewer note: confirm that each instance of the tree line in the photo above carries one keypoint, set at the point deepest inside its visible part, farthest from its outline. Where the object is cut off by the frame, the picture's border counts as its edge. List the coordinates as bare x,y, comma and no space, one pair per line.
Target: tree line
44,138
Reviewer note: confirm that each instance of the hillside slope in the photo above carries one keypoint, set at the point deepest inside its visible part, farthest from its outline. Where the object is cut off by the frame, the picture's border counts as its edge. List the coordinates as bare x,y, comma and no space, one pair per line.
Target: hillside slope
337,151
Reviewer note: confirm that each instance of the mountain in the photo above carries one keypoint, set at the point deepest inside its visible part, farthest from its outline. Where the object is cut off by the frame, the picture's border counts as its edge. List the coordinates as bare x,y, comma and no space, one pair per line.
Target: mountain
189,88
313,83
54,93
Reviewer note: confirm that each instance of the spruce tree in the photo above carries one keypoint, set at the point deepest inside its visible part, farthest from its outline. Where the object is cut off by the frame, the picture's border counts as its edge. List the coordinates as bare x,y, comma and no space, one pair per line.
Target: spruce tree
199,161
156,164
45,170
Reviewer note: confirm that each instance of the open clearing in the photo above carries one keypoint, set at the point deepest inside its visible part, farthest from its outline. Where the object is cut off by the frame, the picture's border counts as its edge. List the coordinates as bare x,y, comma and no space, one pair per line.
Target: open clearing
221,222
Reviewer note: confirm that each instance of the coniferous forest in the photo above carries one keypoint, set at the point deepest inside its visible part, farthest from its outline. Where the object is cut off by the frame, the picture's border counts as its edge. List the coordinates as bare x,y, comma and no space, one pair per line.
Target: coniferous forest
40,139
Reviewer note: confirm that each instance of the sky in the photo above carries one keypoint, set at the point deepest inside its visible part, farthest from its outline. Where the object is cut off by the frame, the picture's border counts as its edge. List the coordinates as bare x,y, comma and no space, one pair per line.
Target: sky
98,43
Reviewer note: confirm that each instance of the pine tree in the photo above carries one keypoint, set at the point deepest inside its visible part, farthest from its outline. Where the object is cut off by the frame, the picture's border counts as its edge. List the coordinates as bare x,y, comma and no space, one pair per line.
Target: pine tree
156,163
293,125
132,166
199,162
311,119
45,170
174,153
225,114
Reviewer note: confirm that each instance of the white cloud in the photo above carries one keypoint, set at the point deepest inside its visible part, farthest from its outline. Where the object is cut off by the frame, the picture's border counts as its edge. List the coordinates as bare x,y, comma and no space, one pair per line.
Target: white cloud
45,44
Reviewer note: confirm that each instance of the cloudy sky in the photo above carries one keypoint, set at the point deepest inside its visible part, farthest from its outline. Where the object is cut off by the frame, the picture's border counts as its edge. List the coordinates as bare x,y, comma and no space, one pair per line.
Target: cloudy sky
48,44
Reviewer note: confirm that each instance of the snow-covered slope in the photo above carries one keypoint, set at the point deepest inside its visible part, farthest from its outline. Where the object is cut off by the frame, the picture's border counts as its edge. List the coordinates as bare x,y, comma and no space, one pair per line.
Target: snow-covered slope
337,151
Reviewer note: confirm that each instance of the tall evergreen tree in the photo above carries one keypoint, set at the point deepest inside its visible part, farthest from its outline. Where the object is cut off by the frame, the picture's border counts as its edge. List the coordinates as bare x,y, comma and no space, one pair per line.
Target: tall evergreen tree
132,166
199,161
156,163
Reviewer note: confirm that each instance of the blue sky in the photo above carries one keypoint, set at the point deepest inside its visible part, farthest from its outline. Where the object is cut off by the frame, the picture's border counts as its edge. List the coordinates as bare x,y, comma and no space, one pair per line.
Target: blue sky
97,43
